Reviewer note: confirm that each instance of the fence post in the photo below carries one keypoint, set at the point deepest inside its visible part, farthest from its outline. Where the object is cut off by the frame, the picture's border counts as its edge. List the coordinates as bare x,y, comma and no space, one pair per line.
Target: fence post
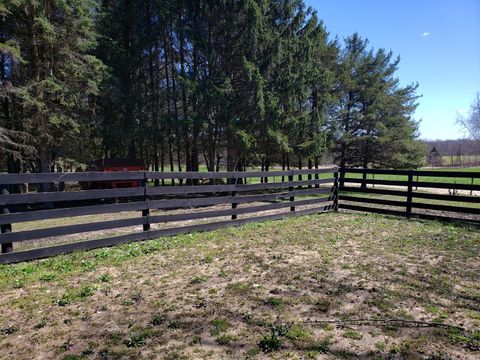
335,191
234,204
6,228
342,177
290,189
363,185
145,212
409,194
309,173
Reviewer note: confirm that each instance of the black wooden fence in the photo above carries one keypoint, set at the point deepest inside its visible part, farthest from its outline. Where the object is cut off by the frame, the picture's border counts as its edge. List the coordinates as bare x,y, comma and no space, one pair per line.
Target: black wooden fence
292,194
222,199
450,196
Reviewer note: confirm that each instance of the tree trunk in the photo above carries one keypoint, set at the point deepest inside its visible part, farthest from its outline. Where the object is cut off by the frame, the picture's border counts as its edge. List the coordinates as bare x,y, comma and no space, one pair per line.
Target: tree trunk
155,162
162,161
44,156
267,168
310,166
231,153
300,166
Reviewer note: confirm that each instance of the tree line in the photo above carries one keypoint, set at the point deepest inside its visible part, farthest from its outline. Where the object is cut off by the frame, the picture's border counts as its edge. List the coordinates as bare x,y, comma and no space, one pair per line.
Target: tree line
181,83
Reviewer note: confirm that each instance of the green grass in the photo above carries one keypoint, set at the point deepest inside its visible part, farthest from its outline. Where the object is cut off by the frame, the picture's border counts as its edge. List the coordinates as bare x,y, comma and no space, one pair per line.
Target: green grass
415,199
456,161
443,179
253,180
283,289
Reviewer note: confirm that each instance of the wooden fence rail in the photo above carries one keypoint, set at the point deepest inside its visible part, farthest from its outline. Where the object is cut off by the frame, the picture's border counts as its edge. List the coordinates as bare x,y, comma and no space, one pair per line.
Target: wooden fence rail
218,200
411,196
316,194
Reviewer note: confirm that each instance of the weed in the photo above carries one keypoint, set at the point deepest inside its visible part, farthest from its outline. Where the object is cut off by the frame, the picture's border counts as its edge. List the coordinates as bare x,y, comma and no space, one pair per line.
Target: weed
225,339
136,296
352,334
87,290
196,340
322,346
238,287
9,330
48,277
476,335
298,333
67,345
135,341
438,356
175,355
103,253
207,259
403,314
88,265
41,324
200,303
64,300
274,301
323,305
219,326
158,320
197,280
328,327
115,338
105,277
270,343
139,338
88,351
252,353
72,357
173,325
470,341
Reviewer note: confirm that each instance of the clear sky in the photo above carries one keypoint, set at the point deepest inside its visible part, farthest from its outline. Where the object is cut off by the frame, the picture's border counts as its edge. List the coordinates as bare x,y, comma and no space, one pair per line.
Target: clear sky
438,42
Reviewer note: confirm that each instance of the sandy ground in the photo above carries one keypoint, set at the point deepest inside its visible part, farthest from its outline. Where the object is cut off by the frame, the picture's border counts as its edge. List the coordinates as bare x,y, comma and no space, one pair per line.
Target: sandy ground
346,286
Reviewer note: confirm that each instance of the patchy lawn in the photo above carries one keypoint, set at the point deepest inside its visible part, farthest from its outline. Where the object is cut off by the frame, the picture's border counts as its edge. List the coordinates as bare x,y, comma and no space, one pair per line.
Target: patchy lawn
336,285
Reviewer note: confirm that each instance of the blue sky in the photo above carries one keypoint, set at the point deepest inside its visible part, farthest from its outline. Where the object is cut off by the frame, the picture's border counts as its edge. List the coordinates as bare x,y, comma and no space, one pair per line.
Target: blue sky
438,42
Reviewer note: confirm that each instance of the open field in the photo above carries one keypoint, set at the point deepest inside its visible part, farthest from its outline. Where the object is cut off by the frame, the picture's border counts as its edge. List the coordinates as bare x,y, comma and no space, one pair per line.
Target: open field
255,180
453,160
336,285
426,178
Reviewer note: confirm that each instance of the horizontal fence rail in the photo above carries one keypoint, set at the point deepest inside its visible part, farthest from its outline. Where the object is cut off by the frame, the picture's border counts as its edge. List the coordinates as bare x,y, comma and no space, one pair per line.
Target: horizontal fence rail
212,198
151,207
430,194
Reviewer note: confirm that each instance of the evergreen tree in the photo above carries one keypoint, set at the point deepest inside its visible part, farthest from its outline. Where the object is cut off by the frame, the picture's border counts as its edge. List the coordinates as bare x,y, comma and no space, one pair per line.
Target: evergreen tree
373,118
52,74
254,82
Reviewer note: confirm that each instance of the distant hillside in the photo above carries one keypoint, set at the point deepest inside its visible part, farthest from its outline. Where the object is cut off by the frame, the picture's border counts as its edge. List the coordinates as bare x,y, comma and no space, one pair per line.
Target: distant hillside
454,147
460,152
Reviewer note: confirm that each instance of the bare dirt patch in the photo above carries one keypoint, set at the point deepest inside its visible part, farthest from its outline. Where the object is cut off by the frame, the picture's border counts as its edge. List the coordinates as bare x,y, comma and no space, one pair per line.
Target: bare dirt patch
324,286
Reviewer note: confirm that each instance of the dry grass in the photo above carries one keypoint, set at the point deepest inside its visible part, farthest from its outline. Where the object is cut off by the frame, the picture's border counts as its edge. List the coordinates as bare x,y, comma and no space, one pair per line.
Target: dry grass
292,287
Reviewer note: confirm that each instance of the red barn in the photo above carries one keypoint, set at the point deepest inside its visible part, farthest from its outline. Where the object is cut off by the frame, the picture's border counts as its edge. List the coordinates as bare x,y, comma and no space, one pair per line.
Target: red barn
111,165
